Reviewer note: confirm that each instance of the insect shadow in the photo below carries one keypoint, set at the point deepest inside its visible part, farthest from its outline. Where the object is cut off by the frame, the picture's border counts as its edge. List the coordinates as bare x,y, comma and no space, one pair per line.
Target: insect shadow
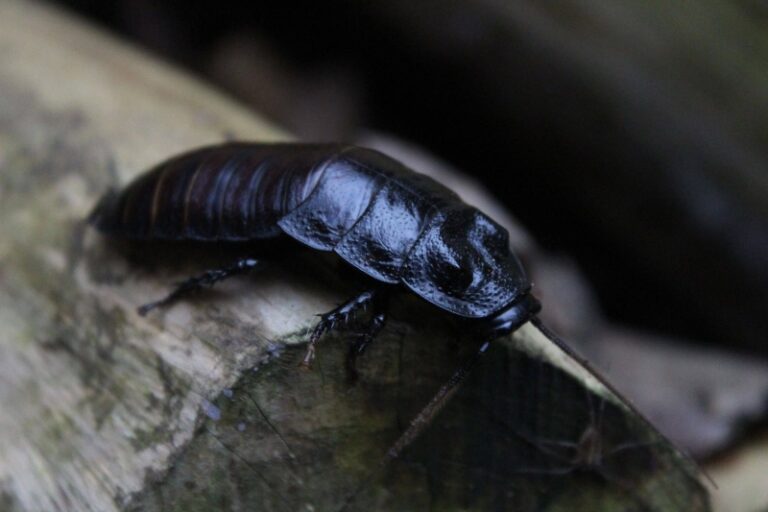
592,452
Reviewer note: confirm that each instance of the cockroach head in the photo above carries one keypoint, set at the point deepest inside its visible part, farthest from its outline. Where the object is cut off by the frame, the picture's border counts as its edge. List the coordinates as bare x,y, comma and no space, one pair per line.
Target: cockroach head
463,264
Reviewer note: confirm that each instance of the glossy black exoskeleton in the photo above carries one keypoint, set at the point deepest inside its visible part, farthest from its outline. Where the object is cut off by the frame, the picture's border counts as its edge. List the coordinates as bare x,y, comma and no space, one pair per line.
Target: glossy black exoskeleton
399,227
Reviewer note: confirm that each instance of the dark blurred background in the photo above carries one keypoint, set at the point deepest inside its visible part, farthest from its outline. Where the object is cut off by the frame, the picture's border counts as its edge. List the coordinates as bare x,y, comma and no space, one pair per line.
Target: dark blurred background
630,136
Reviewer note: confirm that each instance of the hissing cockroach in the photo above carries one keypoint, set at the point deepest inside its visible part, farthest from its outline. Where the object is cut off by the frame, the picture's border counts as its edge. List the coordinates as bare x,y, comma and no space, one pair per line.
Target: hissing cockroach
399,227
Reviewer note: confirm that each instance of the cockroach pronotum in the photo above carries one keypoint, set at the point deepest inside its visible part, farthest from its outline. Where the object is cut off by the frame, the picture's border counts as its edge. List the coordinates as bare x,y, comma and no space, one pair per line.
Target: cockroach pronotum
400,228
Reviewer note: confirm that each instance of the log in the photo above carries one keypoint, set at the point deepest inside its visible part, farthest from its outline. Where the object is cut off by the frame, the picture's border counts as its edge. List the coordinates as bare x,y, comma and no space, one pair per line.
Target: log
202,406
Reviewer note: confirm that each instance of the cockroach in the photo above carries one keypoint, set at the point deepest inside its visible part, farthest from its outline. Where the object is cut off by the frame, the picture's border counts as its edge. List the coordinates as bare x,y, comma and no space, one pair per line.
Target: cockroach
400,228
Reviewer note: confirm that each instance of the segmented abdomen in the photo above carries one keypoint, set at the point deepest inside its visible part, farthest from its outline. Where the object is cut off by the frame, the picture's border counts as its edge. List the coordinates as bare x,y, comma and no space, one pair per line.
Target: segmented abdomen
228,192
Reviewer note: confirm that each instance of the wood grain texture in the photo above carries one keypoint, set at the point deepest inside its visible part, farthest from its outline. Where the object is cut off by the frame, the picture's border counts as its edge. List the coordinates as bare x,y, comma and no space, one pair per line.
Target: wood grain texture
202,407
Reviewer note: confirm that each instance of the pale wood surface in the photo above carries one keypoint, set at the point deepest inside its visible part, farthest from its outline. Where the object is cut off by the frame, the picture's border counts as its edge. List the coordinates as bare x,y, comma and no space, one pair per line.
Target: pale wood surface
78,113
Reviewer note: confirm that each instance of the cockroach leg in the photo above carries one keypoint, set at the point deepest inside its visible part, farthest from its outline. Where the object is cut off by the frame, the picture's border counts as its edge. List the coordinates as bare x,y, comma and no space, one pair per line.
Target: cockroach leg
336,318
365,338
204,280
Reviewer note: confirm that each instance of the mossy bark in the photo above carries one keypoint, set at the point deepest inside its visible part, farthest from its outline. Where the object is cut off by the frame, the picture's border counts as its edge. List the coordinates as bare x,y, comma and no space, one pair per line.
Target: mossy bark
202,406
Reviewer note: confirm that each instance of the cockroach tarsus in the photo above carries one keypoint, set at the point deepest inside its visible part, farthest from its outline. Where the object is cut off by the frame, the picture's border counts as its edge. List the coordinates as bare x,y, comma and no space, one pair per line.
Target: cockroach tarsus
400,228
